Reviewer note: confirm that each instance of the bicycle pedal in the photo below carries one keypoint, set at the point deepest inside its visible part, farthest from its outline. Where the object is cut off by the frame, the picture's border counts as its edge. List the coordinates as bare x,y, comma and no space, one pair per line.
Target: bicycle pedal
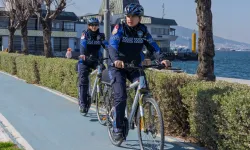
109,124
104,118
132,126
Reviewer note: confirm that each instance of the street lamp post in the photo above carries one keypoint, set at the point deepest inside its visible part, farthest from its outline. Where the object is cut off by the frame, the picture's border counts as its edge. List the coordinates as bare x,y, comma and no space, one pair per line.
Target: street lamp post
106,24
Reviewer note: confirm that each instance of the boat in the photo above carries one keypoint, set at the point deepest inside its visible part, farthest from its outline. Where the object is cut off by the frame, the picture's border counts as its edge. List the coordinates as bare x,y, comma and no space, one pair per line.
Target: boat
185,54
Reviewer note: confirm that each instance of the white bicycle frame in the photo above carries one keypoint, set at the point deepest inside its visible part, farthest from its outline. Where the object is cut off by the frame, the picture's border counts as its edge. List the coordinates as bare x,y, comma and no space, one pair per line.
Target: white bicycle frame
95,86
137,100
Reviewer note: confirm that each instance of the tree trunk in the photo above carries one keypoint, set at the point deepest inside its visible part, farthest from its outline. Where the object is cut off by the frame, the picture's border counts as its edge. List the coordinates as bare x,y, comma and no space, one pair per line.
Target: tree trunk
205,70
47,25
11,39
24,33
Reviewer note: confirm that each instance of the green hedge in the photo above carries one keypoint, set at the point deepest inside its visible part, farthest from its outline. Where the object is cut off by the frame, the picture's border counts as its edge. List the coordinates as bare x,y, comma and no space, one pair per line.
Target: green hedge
8,62
216,114
58,74
27,68
165,88
219,114
55,73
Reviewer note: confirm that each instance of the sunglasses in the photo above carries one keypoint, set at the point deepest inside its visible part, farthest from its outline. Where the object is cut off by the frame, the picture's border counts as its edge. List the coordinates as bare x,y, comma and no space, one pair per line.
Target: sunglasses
94,25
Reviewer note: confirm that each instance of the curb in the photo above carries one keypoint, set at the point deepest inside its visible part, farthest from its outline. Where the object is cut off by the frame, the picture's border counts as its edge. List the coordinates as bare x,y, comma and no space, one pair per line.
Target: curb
4,137
13,135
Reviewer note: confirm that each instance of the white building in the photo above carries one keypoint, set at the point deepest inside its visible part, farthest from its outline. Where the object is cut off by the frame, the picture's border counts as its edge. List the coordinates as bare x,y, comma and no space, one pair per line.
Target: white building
63,32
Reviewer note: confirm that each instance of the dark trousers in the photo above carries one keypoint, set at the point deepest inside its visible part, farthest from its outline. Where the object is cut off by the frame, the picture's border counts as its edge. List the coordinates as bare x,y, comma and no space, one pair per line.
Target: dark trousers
118,78
83,83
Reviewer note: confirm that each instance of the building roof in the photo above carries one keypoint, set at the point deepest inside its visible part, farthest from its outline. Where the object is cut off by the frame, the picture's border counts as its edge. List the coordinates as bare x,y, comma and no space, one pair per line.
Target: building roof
90,15
85,17
160,21
70,16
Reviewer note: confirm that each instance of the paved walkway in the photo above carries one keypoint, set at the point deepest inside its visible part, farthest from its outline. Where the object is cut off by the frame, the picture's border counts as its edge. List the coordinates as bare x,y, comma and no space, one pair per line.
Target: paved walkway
51,122
234,80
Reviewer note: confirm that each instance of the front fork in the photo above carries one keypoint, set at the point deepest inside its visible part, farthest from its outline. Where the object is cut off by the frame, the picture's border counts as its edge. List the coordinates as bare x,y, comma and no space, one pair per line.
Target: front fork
98,91
98,82
96,85
142,118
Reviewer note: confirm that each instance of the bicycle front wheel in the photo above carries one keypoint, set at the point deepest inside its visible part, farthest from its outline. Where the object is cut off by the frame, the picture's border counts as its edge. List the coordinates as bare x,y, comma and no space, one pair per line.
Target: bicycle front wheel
101,106
150,125
110,119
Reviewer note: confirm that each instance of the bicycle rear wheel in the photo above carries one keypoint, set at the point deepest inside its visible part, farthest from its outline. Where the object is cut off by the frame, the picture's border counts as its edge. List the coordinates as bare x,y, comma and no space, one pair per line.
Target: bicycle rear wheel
150,125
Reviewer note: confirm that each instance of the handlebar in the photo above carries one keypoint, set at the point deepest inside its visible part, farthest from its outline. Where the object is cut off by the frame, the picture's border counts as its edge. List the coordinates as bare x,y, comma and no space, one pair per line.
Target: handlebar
93,59
143,67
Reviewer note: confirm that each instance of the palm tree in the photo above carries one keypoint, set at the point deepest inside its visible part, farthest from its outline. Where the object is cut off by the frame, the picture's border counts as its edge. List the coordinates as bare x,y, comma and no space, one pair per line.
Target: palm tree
205,70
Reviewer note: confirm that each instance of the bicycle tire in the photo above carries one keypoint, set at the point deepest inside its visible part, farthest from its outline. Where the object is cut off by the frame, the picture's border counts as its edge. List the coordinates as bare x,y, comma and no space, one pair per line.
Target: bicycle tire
101,98
113,141
109,122
89,101
159,115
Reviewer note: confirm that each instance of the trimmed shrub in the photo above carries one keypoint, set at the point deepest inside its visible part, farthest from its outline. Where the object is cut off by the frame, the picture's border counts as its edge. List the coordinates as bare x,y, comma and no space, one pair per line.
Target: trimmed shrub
165,89
27,68
212,117
233,121
58,74
8,62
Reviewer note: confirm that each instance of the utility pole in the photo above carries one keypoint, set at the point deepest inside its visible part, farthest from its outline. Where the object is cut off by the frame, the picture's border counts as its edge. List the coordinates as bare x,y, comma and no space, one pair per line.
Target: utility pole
106,24
163,10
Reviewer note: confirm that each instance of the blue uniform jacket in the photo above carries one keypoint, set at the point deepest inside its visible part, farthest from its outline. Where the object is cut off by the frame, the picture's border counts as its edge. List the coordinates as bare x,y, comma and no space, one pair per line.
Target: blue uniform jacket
91,45
127,43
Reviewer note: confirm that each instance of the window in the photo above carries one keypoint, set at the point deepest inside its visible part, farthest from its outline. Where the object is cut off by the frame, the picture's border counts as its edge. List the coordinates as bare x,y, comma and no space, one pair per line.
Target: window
61,44
166,31
159,31
17,43
4,22
172,31
69,26
56,26
57,44
31,43
39,44
31,24
64,44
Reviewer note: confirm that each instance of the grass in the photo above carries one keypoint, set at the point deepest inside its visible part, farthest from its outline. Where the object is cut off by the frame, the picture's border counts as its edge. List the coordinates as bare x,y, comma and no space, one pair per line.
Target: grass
8,146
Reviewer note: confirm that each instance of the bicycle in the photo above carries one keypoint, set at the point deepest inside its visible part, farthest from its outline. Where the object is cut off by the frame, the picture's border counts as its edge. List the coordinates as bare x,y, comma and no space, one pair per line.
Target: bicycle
137,113
95,92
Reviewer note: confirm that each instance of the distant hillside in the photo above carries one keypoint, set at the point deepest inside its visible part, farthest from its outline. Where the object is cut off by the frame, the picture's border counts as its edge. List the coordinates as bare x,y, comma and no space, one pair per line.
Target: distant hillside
185,35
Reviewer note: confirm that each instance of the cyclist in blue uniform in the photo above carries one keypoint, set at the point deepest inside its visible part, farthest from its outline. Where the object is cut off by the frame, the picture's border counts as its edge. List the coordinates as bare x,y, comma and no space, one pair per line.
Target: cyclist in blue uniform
90,45
125,46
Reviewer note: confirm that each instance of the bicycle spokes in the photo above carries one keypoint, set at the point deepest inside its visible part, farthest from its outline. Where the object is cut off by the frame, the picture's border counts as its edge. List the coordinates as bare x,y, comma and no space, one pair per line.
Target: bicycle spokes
151,131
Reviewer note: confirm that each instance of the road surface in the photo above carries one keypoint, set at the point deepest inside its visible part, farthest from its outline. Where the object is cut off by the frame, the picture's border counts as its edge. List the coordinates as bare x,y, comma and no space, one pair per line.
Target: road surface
51,122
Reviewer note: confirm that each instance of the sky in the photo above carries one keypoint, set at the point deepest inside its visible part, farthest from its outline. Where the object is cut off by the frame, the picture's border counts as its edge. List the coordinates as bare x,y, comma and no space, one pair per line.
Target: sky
231,18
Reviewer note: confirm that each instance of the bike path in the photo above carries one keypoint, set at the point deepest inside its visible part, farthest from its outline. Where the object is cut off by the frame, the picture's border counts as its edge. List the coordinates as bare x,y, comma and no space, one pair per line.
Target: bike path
48,121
